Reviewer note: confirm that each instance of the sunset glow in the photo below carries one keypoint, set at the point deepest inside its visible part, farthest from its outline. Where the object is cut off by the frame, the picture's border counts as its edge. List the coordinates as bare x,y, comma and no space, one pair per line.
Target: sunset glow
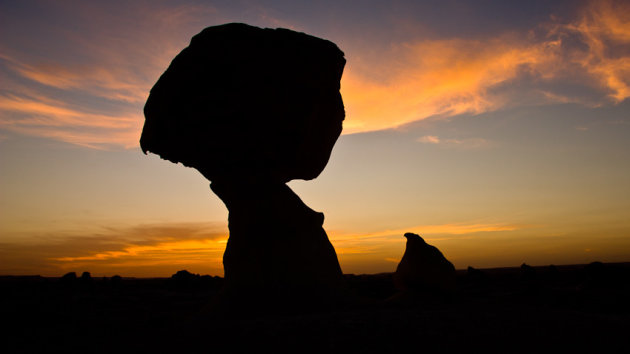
501,138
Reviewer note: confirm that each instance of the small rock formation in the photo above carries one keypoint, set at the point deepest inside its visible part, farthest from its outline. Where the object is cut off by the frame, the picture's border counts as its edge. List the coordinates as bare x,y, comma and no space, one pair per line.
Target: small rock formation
86,278
528,272
115,282
184,279
252,109
184,275
68,279
475,274
597,275
423,267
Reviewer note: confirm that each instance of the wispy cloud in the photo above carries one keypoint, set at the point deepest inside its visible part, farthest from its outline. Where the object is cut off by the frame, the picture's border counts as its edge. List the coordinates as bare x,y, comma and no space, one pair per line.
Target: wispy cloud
162,247
454,76
115,66
381,241
440,229
465,143
429,139
94,95
43,116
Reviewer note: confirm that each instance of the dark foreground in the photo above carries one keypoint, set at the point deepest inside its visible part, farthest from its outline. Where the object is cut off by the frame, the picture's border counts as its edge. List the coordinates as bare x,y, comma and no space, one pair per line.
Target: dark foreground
540,309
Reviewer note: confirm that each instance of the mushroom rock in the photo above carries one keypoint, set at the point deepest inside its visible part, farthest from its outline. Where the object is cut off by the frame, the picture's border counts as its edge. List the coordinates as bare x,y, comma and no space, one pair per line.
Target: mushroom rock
252,109
424,267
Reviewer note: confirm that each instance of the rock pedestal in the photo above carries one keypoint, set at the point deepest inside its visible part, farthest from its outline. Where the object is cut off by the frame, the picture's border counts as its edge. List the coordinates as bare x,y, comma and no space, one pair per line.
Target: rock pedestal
277,249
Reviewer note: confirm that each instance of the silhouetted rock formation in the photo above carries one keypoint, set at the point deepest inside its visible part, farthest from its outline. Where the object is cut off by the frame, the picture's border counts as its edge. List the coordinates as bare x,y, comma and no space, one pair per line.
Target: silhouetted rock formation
184,275
85,281
252,109
475,274
70,276
277,246
247,103
423,267
185,280
528,272
68,279
597,275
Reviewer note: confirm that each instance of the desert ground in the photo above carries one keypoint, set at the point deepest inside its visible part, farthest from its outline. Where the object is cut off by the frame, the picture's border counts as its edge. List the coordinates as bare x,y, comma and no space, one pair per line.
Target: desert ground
582,308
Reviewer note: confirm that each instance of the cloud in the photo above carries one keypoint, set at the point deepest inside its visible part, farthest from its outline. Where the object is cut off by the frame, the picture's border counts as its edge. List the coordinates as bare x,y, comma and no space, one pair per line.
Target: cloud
429,139
107,82
440,229
163,248
99,85
42,116
160,247
605,28
467,143
88,89
455,76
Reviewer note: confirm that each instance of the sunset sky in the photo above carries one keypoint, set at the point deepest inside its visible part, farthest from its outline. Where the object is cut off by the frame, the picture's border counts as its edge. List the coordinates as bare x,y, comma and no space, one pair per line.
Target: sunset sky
497,130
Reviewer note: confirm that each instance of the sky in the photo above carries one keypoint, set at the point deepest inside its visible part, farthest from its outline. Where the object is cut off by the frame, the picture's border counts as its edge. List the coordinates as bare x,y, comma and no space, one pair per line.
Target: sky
497,130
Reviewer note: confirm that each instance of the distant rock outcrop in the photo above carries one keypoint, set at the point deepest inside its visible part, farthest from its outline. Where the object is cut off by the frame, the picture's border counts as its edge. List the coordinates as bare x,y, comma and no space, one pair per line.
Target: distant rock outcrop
475,275
86,278
423,267
68,279
528,272
252,109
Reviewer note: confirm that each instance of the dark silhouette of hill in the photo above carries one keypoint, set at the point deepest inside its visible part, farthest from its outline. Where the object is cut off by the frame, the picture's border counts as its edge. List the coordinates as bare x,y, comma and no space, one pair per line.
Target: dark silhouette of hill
252,109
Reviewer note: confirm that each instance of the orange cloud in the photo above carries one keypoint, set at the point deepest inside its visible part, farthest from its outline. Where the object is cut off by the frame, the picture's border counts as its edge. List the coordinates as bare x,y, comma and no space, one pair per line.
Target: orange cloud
604,27
143,250
195,251
43,116
111,70
40,112
446,77
106,82
455,76
162,249
426,77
